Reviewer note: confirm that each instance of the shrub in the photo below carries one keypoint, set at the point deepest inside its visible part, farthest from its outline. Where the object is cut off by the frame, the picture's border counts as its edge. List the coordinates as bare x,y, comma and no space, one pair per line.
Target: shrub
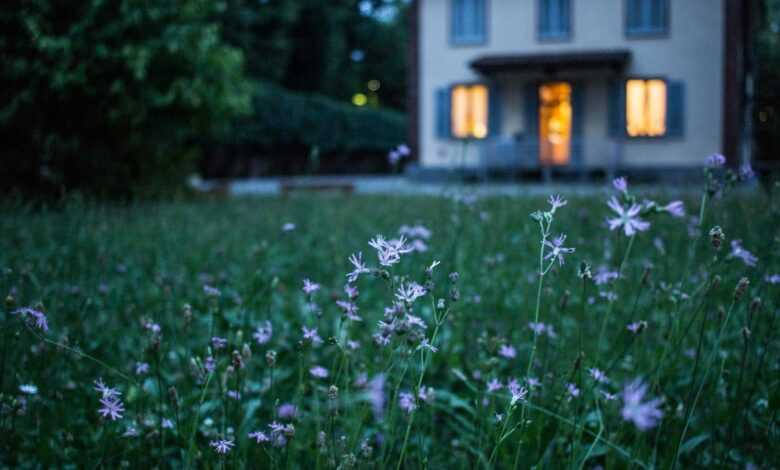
107,96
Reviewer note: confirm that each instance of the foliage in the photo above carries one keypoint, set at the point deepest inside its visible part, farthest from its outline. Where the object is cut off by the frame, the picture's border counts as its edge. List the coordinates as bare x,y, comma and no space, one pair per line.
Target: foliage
136,295
108,96
308,45
286,127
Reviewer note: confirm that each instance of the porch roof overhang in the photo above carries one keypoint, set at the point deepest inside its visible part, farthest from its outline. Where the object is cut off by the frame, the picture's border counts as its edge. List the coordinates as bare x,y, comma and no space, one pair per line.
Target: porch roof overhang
551,62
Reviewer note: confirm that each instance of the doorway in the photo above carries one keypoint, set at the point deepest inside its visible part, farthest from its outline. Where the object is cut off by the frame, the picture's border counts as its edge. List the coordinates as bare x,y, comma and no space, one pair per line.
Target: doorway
555,116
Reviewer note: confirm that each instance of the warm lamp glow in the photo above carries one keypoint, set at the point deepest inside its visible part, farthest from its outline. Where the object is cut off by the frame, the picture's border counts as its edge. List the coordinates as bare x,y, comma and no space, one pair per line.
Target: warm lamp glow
469,111
645,108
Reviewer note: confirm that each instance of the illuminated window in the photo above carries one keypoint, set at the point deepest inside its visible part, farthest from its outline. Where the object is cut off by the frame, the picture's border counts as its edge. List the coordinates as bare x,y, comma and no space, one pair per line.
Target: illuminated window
469,111
646,108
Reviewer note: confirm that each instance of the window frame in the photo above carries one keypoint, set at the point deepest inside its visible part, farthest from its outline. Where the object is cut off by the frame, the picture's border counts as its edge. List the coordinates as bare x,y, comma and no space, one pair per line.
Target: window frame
469,84
645,78
542,36
661,33
457,41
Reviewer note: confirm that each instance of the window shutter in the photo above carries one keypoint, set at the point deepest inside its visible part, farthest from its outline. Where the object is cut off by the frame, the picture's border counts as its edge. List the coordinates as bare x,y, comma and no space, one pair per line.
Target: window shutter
565,18
443,125
617,109
457,19
675,109
578,123
544,17
494,109
479,20
634,14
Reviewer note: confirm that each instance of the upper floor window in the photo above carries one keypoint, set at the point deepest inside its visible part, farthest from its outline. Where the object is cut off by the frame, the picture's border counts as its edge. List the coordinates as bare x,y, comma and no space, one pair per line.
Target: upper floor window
647,17
646,108
469,111
554,19
469,23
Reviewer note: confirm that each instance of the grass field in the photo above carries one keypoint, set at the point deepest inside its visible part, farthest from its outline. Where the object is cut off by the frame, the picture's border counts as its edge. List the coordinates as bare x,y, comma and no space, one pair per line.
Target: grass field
192,318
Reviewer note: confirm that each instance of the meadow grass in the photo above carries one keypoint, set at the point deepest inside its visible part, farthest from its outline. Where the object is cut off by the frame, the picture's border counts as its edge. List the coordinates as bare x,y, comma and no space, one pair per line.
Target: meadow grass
668,363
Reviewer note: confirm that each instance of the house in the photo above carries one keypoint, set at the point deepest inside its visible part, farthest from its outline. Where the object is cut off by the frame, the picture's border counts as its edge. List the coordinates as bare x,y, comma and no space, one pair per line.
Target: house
576,86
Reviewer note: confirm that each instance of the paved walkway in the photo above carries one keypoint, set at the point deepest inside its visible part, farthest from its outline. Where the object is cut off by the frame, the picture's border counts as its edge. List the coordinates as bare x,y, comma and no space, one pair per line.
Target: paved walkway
370,184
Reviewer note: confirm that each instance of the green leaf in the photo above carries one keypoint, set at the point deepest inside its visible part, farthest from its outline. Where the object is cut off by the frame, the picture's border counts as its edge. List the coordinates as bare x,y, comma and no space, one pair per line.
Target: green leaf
692,443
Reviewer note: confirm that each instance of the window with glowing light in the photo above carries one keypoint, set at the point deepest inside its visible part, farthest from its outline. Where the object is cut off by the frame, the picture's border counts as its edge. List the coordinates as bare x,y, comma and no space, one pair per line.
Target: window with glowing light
646,108
469,111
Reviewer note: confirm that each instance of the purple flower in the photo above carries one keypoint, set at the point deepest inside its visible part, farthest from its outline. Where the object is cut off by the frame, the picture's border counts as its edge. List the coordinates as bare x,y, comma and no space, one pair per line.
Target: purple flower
112,407
393,157
351,291
311,335
518,392
627,218
604,275
533,382
218,343
350,310
389,252
426,394
263,333
310,287
414,321
620,184
259,436
773,279
33,317
211,291
407,402
738,252
141,368
494,385
234,394
746,172
636,326
537,327
425,344
507,351
105,391
409,292
287,411
598,375
415,231
644,415
376,395
319,372
28,389
557,249
675,208
609,396
222,446
572,390
715,160
288,227
359,267
556,201
403,150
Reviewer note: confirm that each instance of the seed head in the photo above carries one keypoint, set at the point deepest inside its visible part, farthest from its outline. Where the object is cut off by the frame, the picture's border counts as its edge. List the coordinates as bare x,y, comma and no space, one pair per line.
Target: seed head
270,358
742,286
717,237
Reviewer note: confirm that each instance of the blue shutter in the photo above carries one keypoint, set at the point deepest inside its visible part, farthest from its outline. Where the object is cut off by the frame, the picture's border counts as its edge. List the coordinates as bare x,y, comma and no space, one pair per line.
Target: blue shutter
578,123
443,119
456,16
634,15
494,109
531,115
565,18
480,25
617,109
544,18
675,109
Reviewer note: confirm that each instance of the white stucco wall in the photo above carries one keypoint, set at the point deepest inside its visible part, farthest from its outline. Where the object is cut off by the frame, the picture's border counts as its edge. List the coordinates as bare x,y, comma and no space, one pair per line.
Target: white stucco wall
692,52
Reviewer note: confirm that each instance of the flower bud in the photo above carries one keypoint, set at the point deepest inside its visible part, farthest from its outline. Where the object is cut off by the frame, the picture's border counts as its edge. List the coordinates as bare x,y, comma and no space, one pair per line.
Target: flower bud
270,358
716,237
10,301
742,286
333,392
237,360
746,333
454,276
755,304
246,351
715,282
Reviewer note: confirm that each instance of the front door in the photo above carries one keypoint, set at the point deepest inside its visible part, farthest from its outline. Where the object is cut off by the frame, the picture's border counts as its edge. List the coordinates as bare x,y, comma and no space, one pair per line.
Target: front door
555,116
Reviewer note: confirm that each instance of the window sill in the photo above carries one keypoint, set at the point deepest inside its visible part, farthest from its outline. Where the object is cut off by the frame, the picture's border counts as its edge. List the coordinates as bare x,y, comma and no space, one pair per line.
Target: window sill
468,42
647,34
554,37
